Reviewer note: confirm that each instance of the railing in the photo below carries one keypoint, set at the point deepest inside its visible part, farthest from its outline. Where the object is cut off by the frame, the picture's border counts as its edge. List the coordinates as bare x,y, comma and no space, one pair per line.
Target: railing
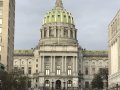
48,88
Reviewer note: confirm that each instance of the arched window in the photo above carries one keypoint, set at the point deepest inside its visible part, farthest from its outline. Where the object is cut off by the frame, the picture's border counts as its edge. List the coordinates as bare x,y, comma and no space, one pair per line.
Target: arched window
47,83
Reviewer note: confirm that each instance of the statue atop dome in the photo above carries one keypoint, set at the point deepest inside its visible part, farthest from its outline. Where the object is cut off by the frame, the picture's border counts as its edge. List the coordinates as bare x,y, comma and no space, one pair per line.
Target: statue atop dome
59,3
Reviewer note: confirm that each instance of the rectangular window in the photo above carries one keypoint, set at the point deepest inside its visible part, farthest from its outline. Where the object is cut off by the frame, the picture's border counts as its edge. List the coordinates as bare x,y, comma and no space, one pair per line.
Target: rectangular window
1,3
0,39
36,65
0,48
51,32
58,72
36,71
29,70
36,60
22,70
0,21
93,70
86,84
86,71
69,72
47,72
0,30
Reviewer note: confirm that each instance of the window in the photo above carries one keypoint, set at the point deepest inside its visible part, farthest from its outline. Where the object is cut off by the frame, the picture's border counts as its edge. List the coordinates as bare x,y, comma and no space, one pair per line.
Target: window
47,83
30,62
0,21
22,70
58,67
86,71
47,72
93,70
36,71
29,70
0,39
86,84
45,32
0,30
36,65
58,15
51,32
58,72
53,16
65,32
64,16
36,80
36,60
1,3
71,33
69,83
69,17
69,72
0,48
69,66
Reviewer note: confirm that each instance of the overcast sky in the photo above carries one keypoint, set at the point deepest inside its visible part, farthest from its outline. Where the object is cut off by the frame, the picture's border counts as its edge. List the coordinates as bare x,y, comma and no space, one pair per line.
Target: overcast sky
91,18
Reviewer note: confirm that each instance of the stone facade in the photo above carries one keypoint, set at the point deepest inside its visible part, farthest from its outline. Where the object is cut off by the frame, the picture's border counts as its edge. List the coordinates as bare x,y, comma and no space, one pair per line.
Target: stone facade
92,62
89,64
114,51
7,22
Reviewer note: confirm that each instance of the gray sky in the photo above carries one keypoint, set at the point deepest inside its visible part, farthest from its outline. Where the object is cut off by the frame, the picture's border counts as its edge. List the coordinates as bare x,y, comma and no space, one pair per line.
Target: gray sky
91,18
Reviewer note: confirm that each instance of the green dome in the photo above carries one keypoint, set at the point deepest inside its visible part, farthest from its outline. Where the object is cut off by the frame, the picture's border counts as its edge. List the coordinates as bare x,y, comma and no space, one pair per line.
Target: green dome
58,15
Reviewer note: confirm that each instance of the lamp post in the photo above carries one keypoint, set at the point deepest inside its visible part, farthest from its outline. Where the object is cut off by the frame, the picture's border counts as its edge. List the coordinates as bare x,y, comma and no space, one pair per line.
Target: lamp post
0,84
117,86
64,85
80,77
52,85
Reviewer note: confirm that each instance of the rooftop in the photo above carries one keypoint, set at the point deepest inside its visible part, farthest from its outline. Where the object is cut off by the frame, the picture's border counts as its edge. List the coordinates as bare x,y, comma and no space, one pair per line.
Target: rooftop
23,52
95,53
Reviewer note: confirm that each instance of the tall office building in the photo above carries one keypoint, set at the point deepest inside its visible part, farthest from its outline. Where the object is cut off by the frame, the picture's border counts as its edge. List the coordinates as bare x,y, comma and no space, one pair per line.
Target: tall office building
114,51
7,23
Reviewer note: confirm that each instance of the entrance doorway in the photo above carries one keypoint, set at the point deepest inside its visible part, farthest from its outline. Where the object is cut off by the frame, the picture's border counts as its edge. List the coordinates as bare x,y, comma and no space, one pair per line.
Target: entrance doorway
58,84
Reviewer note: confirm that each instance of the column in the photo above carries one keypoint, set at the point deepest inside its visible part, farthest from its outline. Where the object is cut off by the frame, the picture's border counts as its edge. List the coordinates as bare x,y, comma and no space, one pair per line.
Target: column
62,64
69,33
74,34
76,64
65,63
55,35
47,32
40,64
43,63
51,68
73,65
62,32
118,53
43,33
54,64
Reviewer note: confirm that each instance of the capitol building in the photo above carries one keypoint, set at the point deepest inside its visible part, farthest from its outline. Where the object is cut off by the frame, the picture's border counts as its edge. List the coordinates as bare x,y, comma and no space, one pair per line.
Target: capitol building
58,61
